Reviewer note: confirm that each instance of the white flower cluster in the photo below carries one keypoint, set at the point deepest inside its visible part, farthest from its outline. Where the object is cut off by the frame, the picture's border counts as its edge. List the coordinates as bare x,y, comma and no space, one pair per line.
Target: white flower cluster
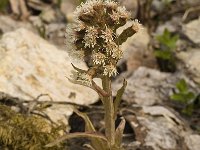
110,70
90,37
98,58
93,34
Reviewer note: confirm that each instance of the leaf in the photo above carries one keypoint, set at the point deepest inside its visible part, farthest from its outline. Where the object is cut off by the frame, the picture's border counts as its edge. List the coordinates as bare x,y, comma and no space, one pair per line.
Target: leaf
77,135
188,110
168,40
96,143
163,54
89,126
119,132
118,98
182,86
190,96
179,97
78,69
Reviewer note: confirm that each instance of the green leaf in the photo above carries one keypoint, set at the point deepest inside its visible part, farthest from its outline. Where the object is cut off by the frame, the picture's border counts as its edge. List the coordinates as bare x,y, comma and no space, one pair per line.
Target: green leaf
183,97
168,40
96,143
179,97
190,96
77,135
188,110
119,133
88,124
182,86
117,101
78,69
164,54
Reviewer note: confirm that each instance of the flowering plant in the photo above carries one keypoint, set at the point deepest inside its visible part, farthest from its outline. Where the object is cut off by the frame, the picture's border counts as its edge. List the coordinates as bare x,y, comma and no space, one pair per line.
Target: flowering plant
92,37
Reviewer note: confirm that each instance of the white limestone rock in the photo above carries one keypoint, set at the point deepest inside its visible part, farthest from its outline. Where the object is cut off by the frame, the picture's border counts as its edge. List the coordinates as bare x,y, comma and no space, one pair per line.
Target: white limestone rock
30,66
191,61
192,30
192,141
146,86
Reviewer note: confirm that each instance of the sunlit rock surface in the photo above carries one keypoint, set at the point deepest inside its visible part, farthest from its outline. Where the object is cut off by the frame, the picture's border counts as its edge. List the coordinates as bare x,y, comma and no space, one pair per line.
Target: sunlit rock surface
192,30
146,86
30,66
191,62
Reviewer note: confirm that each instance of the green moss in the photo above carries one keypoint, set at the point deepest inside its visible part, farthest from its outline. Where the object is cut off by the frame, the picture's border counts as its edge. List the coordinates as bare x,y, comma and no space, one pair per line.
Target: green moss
18,131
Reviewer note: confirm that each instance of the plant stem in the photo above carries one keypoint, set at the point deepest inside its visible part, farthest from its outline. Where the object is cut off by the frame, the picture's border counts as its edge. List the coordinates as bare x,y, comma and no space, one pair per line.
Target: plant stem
109,111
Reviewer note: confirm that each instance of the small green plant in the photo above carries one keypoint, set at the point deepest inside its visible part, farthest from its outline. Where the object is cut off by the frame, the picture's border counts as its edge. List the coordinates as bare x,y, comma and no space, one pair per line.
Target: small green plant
165,53
184,96
92,36
3,4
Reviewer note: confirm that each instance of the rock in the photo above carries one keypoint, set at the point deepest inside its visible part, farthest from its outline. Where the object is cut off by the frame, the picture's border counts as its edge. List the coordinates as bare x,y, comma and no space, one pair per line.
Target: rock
192,2
136,51
48,15
67,7
160,128
56,33
131,5
30,66
171,25
164,129
147,86
191,62
8,24
192,142
192,30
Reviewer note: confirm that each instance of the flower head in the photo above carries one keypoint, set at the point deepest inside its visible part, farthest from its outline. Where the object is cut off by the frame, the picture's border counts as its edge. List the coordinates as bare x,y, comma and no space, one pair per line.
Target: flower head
93,34
110,70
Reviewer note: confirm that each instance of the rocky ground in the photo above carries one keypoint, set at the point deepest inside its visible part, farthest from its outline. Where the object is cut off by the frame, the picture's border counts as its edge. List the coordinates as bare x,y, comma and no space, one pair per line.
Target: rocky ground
161,103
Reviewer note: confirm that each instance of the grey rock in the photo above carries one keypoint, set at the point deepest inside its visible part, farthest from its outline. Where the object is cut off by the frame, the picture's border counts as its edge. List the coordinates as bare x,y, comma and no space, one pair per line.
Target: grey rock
160,128
192,30
30,66
147,86
8,24
192,2
172,25
164,129
67,7
131,5
191,61
192,141
48,15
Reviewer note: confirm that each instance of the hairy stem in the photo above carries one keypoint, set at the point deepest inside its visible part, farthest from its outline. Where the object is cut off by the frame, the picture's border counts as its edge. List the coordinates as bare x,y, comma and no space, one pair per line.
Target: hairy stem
109,112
